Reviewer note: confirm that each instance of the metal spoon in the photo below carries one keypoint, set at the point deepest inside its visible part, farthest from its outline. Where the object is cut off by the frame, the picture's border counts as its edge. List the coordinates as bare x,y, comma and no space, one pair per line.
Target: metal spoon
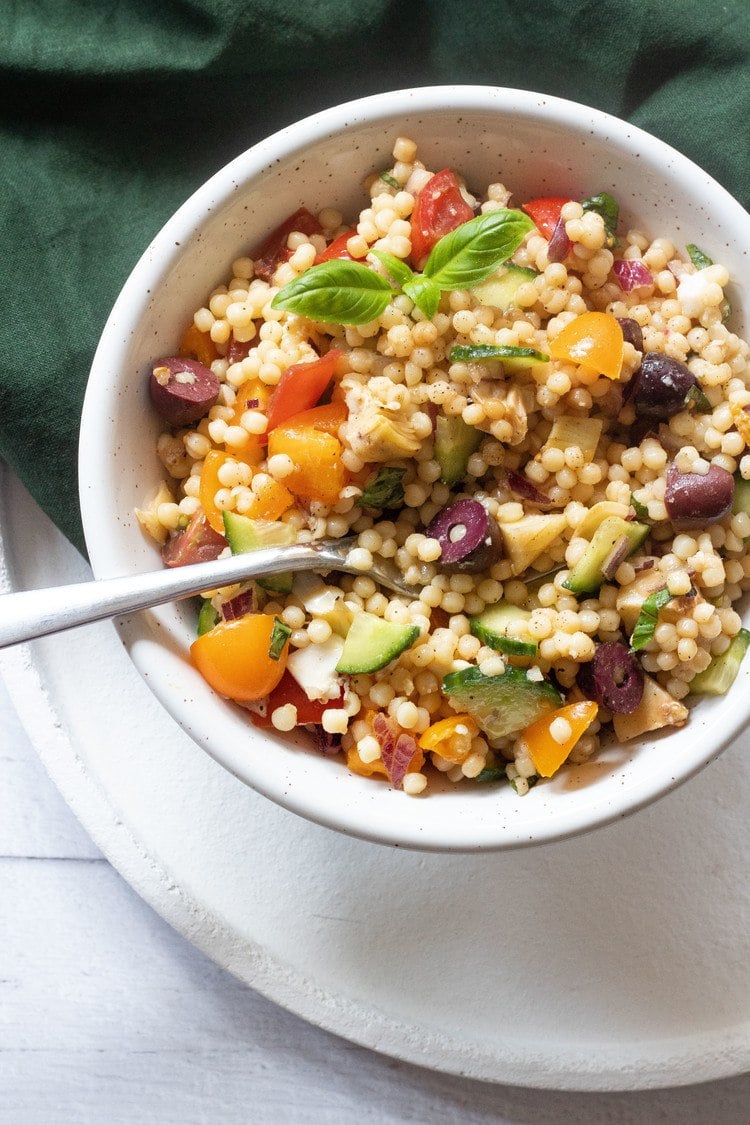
36,613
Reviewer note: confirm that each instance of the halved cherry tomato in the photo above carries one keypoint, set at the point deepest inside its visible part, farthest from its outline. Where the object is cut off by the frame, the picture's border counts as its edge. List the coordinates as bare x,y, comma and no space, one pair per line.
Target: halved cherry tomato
545,212
275,249
319,472
439,208
300,387
198,345
210,483
337,249
546,752
288,691
233,657
593,340
451,738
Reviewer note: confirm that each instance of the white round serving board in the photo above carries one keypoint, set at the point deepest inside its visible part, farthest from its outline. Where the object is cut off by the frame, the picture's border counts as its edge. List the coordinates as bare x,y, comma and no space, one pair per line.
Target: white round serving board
617,960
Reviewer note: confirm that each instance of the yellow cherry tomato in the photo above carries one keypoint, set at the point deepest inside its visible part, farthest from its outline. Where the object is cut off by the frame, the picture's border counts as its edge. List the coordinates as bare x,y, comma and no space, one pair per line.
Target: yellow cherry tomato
233,658
451,738
546,752
593,340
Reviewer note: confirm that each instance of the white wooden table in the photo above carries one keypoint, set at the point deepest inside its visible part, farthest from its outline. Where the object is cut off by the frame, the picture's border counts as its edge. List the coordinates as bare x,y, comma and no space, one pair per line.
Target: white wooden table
107,1015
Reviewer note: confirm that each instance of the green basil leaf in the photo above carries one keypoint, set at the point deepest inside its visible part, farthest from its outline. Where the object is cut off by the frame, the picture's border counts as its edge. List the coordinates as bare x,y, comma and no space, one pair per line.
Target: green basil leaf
697,257
640,510
387,178
280,635
463,353
607,206
699,400
336,292
386,491
424,293
491,773
470,253
648,617
397,268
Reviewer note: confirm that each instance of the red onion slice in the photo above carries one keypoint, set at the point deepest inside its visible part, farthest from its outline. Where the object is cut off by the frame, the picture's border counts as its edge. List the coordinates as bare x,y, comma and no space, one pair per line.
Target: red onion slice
559,245
239,605
617,555
397,749
631,274
524,488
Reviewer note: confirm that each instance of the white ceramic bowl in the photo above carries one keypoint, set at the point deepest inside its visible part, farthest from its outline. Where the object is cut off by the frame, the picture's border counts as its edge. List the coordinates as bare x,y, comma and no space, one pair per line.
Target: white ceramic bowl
536,145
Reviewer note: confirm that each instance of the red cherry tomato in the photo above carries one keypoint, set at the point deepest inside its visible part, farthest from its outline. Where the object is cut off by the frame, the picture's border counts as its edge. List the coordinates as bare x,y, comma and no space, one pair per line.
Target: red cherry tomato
289,691
545,212
275,249
337,249
439,208
300,388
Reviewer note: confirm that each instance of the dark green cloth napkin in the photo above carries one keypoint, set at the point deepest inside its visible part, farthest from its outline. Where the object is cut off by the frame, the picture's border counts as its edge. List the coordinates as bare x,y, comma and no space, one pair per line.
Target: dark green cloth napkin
112,113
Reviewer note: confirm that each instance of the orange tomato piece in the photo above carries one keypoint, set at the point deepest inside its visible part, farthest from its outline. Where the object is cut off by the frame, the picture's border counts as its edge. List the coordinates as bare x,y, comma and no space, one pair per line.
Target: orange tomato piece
450,738
198,345
233,658
251,391
364,769
210,483
319,472
546,752
593,340
270,501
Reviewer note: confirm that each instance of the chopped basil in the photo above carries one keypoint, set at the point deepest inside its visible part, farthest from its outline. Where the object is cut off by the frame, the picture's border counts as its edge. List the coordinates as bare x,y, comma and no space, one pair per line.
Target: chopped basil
530,781
492,773
280,635
477,352
342,292
336,292
386,491
699,400
607,206
387,178
640,510
648,617
697,257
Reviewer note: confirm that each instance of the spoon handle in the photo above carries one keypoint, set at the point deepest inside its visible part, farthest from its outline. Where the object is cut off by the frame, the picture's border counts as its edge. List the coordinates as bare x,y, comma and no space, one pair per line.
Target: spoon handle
36,613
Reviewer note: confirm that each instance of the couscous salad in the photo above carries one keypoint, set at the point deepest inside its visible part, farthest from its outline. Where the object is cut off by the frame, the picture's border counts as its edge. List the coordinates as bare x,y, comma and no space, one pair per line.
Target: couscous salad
540,418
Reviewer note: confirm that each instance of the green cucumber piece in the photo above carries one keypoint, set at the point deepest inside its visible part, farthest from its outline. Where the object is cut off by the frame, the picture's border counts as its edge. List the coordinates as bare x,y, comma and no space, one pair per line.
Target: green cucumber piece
244,535
491,626
722,671
503,704
499,290
371,643
207,617
511,357
455,441
586,576
741,498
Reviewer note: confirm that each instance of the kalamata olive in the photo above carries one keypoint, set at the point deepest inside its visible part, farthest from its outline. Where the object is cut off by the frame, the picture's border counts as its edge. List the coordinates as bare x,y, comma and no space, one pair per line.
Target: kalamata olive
660,386
632,333
182,390
469,538
615,678
697,499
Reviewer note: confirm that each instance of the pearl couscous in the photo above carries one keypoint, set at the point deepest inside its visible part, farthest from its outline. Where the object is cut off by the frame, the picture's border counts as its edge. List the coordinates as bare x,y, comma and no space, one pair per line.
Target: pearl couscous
539,420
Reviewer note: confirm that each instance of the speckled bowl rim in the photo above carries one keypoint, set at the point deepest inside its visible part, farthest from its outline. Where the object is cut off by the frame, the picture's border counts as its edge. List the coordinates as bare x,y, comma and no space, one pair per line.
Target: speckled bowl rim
465,822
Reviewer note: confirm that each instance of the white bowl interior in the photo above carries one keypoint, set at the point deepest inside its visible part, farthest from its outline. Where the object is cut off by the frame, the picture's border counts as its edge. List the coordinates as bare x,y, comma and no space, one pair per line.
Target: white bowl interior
535,145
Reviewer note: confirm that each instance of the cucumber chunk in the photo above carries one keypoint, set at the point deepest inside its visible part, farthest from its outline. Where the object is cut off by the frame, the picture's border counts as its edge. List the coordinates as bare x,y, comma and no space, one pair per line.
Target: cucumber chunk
741,497
207,617
455,441
503,704
512,358
587,575
244,535
722,671
491,626
371,643
499,290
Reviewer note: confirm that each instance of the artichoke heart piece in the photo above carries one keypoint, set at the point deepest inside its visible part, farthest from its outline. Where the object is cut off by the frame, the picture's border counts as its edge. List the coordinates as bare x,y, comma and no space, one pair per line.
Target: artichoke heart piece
379,428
